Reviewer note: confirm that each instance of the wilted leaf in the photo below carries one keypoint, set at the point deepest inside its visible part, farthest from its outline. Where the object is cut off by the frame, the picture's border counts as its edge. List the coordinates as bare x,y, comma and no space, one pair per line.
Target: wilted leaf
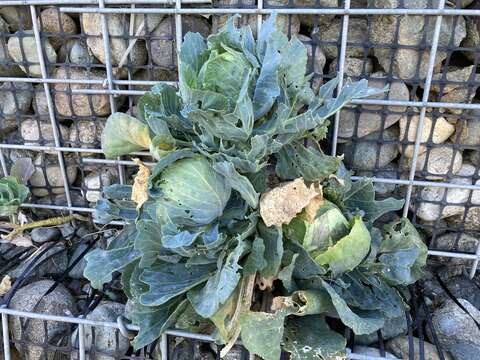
22,170
281,204
22,240
140,184
304,302
124,134
5,285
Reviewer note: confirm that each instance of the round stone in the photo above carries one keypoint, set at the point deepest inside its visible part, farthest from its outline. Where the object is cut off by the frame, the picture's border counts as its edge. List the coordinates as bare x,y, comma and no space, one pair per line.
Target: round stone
15,99
468,130
49,173
40,104
442,130
6,66
17,17
373,118
80,104
23,49
38,132
330,33
95,181
374,151
36,332
162,45
76,52
52,22
400,347
86,134
353,67
438,162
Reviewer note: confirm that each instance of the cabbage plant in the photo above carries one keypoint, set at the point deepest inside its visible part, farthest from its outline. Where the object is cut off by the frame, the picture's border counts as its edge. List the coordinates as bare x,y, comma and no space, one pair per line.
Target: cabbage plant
12,195
213,234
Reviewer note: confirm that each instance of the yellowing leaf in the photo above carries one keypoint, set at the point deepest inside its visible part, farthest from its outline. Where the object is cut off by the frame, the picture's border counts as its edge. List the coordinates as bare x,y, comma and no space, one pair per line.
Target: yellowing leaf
5,285
280,205
140,184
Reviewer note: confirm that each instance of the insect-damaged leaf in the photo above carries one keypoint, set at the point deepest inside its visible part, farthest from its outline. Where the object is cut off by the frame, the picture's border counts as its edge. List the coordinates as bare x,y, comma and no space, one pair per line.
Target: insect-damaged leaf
310,338
281,204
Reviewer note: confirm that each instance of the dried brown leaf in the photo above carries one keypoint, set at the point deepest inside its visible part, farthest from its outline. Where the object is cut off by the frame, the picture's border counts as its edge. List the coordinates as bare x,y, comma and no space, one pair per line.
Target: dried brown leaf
5,285
312,208
21,240
281,204
140,184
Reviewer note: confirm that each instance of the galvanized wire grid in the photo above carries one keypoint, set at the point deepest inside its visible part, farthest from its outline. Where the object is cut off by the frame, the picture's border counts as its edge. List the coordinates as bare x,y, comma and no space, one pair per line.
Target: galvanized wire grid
67,159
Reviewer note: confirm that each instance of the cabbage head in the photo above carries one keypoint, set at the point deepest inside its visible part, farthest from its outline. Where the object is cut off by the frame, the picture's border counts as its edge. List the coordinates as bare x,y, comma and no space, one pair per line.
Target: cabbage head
193,193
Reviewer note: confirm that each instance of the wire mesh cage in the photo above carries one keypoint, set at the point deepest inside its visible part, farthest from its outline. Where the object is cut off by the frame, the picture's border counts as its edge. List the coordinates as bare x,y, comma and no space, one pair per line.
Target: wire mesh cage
420,141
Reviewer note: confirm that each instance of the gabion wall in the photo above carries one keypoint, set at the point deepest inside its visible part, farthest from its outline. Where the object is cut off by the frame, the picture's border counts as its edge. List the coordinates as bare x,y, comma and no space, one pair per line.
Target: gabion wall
420,142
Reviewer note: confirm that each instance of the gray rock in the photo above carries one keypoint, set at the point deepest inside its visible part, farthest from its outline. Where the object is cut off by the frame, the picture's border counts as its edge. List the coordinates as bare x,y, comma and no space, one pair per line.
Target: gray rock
6,69
15,99
80,104
50,173
371,351
357,33
17,17
288,24
353,67
162,47
313,20
55,265
87,134
54,22
118,26
438,162
33,298
38,132
472,38
429,207
107,343
389,172
77,271
363,154
316,61
462,288
457,331
76,52
468,131
95,181
399,346
469,221
45,234
456,242
458,91
371,118
155,74
40,104
26,42
435,130
411,31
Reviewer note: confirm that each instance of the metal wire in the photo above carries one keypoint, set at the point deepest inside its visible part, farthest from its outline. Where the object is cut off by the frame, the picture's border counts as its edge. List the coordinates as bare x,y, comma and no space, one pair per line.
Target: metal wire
86,157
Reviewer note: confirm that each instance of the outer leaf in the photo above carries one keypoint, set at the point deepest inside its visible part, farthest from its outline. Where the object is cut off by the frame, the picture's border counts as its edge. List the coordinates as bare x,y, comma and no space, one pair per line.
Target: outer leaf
362,196
148,241
310,338
403,253
153,321
349,251
305,266
12,195
124,134
167,281
267,342
193,50
365,323
22,170
297,160
267,88
208,299
238,182
256,259
273,240
101,264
